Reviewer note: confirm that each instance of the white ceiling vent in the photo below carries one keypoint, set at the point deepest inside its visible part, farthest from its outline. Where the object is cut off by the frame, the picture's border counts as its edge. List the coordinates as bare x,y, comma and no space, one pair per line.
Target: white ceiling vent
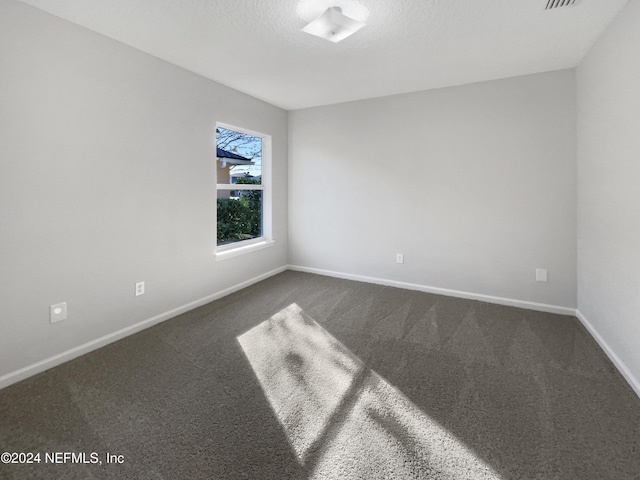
553,4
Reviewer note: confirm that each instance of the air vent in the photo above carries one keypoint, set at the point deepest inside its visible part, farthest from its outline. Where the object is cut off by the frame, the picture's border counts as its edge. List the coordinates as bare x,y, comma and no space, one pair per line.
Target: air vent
553,4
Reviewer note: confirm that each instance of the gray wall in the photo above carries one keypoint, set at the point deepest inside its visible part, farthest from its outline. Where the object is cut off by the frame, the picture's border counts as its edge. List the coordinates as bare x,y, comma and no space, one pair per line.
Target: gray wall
108,178
608,83
475,185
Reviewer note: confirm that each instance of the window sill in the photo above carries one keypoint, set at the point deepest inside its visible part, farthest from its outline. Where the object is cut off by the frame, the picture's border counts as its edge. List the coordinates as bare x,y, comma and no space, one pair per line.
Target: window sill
230,251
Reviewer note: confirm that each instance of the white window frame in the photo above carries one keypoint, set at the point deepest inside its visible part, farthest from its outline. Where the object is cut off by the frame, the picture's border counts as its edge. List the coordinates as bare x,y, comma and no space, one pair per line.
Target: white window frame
223,252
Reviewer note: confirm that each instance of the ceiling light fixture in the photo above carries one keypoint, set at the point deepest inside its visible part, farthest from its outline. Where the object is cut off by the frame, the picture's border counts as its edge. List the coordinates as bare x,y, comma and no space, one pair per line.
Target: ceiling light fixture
333,25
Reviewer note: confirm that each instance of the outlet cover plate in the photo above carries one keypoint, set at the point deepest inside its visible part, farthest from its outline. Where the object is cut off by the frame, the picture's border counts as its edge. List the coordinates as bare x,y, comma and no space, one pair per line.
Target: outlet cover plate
58,312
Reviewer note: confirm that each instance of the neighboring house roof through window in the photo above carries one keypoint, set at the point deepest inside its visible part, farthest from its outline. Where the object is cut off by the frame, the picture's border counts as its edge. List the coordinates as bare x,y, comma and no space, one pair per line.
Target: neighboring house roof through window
232,158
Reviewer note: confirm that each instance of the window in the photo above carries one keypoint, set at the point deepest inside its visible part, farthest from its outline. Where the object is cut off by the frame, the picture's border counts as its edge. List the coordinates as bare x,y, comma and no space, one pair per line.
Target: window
243,213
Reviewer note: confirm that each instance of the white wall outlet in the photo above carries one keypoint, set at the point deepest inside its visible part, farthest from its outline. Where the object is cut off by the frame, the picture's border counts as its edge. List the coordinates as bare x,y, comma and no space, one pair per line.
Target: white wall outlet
58,312
139,289
399,258
541,275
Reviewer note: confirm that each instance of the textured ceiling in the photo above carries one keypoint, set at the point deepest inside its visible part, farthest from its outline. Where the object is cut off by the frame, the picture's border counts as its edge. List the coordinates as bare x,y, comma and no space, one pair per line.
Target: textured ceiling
256,46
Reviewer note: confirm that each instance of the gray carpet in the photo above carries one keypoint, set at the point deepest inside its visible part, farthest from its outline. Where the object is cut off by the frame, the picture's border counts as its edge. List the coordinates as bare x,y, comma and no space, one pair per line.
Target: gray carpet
309,377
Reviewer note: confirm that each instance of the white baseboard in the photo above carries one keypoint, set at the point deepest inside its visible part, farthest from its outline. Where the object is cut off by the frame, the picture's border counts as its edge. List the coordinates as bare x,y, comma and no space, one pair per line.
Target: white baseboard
46,364
41,366
541,307
619,364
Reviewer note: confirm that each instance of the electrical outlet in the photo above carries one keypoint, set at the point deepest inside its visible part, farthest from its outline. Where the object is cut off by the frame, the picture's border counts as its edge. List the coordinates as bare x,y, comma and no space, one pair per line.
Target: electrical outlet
541,275
399,258
58,312
139,289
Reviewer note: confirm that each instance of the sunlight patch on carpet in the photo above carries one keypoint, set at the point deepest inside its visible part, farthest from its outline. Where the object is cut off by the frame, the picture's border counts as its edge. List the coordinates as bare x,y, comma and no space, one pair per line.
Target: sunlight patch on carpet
342,419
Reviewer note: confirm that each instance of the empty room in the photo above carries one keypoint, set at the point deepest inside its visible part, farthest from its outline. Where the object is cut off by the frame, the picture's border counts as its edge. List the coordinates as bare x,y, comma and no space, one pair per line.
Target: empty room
320,239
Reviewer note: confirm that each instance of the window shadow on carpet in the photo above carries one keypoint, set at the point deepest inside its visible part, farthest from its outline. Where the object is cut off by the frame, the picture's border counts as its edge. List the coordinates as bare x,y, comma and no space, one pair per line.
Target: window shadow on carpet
343,420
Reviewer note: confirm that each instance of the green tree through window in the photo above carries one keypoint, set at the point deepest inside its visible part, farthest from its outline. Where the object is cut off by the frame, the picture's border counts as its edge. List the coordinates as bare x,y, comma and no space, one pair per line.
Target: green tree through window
240,217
